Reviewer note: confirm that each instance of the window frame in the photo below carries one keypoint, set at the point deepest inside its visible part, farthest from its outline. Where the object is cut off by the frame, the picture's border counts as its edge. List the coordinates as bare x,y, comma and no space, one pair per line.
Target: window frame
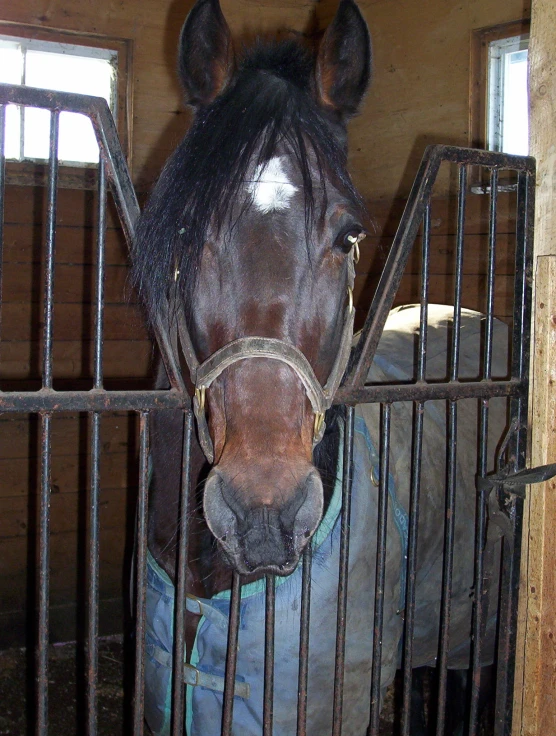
31,173
479,70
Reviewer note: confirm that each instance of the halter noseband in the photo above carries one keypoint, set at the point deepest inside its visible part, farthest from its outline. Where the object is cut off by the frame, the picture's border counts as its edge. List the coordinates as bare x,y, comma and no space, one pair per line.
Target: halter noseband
321,397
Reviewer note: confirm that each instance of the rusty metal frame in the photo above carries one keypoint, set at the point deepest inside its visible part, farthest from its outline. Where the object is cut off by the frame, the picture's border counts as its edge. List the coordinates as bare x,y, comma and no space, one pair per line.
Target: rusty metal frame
113,172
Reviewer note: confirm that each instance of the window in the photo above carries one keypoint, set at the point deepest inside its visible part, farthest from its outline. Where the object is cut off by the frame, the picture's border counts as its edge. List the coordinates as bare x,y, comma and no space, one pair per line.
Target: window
499,105
507,108
57,66
34,55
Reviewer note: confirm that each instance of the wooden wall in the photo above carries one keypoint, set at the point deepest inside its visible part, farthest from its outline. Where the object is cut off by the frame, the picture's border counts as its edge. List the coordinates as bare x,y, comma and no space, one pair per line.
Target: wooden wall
420,95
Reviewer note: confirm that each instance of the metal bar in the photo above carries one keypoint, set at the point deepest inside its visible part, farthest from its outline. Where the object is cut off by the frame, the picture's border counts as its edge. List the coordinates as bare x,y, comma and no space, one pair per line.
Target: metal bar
449,529
491,273
93,592
2,194
480,600
454,357
409,622
141,578
511,554
231,657
382,528
44,576
268,698
304,642
423,315
50,245
347,476
415,484
452,391
95,400
178,709
480,589
101,241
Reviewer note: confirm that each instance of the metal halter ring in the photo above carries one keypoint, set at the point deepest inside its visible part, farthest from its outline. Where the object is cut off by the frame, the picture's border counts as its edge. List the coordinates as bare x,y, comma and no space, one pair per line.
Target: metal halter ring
355,240
350,299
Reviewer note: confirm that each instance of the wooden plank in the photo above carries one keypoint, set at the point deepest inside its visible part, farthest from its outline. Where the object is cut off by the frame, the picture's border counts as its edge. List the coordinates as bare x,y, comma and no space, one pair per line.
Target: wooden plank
374,250
25,243
67,566
71,434
128,359
22,322
441,292
385,214
535,677
73,284
70,473
75,207
68,512
535,681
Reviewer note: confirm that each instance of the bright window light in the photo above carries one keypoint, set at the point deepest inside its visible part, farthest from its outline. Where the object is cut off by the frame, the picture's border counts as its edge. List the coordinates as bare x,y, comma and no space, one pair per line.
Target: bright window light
60,67
508,123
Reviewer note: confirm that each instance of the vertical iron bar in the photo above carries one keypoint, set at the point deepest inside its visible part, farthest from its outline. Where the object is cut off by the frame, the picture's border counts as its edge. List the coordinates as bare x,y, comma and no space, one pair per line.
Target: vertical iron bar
454,358
442,664
101,241
92,613
181,591
141,583
231,657
92,608
409,622
268,698
2,193
491,273
44,576
347,476
50,246
304,642
480,589
382,528
409,619
423,315
511,553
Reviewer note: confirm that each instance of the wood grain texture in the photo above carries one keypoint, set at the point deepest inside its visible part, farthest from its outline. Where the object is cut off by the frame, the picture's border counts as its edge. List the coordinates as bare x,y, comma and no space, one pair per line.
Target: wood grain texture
535,690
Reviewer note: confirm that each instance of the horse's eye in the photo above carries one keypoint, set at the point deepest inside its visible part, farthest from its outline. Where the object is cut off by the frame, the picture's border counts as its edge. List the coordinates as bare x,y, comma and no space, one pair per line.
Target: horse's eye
348,238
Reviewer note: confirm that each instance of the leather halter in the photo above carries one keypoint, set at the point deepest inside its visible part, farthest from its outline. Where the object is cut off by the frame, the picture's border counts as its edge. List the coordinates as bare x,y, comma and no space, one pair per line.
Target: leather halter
321,397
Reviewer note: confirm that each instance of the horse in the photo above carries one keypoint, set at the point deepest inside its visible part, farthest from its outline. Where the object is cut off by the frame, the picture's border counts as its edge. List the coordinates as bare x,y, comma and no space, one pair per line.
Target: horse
247,247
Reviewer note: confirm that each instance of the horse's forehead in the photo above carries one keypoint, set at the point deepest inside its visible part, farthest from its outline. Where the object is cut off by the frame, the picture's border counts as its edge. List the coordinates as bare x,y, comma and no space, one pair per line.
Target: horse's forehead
272,188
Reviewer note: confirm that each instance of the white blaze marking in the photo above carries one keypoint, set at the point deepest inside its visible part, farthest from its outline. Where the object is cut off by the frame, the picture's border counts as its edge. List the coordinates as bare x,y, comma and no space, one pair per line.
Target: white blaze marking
271,188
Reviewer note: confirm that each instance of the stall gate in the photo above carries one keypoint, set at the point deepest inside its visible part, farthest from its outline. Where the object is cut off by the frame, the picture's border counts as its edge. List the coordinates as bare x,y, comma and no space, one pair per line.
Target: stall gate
47,402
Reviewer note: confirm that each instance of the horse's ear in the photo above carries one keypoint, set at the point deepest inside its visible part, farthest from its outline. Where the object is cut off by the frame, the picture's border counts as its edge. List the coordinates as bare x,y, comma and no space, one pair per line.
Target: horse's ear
206,56
343,67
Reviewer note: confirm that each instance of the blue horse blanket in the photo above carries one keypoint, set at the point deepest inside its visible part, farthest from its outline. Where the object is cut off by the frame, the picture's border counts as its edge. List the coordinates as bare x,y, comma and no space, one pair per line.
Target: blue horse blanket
204,672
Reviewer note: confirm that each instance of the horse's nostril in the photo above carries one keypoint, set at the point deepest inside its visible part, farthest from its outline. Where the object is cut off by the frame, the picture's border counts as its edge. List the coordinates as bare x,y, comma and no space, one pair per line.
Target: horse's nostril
223,537
307,534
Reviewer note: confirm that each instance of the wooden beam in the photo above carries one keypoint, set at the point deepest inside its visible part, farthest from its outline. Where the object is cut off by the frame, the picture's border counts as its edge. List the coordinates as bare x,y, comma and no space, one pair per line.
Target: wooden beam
535,688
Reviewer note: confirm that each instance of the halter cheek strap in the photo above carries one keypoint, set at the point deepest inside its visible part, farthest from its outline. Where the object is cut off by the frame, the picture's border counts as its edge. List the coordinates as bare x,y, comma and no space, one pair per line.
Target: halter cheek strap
321,397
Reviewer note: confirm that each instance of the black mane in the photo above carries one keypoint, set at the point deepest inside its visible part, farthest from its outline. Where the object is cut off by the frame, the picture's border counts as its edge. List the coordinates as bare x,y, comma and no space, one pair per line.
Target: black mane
268,102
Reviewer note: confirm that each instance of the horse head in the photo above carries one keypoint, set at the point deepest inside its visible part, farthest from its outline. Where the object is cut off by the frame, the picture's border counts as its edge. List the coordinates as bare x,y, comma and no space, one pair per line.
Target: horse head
249,239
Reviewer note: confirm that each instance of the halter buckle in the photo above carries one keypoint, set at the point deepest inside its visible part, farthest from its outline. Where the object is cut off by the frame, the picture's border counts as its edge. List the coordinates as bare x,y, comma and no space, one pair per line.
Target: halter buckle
317,426
200,394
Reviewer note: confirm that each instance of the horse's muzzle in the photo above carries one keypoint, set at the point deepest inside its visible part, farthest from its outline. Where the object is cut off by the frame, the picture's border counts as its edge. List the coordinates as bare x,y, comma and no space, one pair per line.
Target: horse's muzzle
263,538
